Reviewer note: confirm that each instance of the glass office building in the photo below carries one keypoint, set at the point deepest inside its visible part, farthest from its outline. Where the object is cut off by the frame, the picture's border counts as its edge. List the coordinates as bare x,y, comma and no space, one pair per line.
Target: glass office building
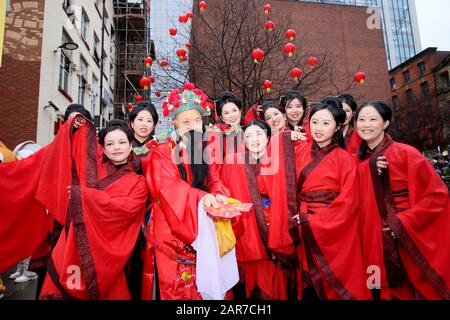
399,22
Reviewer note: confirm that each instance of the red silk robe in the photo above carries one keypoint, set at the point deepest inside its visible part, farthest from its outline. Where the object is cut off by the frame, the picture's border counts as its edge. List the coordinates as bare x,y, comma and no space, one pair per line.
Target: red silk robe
173,224
352,141
412,200
330,249
101,220
263,234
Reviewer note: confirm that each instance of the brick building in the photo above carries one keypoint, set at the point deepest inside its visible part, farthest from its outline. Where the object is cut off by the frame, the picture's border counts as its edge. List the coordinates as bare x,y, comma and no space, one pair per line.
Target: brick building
418,120
442,80
39,78
339,29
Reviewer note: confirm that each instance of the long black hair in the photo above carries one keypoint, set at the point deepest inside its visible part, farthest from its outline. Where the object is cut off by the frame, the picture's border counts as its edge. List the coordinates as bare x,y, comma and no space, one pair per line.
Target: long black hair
288,97
75,107
224,98
198,163
141,106
386,114
113,125
338,115
348,99
259,123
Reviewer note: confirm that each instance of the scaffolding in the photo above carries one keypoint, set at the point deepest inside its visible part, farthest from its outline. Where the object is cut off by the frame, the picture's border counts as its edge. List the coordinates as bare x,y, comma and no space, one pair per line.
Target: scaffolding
133,44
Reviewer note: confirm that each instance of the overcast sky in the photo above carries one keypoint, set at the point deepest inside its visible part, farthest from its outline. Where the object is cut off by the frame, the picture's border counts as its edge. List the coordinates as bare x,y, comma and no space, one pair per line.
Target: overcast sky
434,23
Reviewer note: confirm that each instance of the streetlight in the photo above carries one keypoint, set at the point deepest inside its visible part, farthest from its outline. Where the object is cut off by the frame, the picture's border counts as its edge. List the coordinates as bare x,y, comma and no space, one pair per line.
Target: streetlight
68,46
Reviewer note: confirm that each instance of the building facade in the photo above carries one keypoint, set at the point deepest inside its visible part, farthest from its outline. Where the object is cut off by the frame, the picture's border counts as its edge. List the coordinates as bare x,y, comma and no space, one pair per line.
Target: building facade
418,118
42,76
442,79
399,23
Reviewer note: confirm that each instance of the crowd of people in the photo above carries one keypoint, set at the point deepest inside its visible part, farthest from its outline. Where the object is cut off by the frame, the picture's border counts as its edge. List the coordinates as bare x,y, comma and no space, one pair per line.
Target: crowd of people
339,210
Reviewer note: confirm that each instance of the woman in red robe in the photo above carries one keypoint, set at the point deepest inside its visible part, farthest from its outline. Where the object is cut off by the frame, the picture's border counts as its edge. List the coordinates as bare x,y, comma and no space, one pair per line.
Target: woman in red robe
178,179
295,108
405,215
265,246
352,139
100,205
330,251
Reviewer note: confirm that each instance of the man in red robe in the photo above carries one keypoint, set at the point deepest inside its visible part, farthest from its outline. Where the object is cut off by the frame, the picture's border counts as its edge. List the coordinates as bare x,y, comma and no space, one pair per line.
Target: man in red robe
178,179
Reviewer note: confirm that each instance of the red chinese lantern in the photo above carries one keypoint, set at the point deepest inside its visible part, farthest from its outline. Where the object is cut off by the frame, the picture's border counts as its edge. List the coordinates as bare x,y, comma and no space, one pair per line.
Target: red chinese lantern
138,98
289,49
290,34
183,58
130,107
145,83
164,63
202,6
173,31
267,8
269,25
296,73
148,62
267,85
183,19
360,77
312,61
189,15
158,94
181,52
188,45
152,79
257,55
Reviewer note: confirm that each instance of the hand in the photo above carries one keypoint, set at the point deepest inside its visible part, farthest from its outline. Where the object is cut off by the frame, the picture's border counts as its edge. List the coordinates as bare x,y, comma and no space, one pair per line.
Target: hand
381,164
296,136
79,120
296,217
210,200
298,128
259,110
221,199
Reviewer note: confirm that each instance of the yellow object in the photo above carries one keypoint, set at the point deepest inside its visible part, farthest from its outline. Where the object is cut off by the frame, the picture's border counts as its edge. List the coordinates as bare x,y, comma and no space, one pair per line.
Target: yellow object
232,200
225,235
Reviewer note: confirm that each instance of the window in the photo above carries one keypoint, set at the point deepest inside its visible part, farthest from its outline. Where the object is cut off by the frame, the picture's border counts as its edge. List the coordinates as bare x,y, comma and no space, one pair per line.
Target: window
64,67
82,81
94,94
406,76
422,69
409,97
393,84
96,52
84,25
66,4
395,103
445,80
425,89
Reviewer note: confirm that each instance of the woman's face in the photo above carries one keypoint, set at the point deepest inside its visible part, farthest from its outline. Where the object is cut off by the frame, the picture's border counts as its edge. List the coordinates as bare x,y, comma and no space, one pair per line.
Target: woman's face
294,111
143,124
349,114
117,147
275,119
255,139
188,120
370,125
231,114
323,127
